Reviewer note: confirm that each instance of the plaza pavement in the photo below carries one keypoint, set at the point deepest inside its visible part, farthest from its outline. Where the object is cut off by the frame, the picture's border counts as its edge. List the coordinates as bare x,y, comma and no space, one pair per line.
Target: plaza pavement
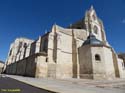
75,85
9,85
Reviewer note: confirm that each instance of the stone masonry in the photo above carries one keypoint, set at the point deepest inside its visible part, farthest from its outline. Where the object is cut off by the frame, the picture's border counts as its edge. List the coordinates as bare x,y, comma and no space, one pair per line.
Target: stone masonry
79,51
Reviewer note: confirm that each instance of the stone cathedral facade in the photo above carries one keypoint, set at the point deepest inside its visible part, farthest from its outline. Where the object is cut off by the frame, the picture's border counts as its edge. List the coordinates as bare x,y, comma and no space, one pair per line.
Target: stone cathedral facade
78,51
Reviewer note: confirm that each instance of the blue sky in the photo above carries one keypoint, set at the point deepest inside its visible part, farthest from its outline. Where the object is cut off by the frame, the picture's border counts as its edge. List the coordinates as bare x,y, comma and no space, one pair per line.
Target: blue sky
30,18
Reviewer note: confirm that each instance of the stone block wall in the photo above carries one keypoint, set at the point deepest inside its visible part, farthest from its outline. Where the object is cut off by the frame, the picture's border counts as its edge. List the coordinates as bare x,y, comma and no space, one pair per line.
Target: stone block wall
121,68
85,63
41,67
27,66
92,68
21,67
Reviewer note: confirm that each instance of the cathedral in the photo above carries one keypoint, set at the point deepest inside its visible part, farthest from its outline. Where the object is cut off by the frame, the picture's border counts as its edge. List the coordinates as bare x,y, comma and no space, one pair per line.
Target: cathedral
79,51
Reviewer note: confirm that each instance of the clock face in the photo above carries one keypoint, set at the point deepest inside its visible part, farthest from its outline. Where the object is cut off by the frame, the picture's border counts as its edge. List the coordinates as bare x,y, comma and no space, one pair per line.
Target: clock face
95,29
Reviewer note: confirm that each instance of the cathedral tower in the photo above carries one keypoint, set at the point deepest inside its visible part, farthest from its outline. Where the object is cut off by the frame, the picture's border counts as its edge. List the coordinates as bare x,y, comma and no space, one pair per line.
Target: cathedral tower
95,25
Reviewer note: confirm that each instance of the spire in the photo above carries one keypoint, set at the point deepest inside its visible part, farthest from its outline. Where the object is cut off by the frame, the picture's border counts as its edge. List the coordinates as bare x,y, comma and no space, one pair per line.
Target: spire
91,7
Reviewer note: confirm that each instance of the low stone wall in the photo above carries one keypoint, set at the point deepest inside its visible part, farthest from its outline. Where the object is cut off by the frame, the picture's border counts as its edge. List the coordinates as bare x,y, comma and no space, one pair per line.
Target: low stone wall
25,67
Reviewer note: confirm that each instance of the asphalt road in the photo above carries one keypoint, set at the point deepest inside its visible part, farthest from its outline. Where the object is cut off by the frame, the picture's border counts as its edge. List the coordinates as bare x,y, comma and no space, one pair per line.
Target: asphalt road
8,85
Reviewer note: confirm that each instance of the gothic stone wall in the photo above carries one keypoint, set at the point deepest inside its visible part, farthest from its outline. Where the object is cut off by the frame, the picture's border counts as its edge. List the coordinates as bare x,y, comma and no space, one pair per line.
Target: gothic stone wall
64,56
121,68
41,67
85,63
103,68
28,66
96,69
18,49
59,54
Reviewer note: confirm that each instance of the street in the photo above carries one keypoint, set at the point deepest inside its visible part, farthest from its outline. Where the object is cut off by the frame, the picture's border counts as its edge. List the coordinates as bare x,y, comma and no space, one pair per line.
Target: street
8,85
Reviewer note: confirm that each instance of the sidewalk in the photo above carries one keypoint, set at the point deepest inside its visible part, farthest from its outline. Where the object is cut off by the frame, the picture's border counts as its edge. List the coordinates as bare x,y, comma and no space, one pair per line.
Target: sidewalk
74,85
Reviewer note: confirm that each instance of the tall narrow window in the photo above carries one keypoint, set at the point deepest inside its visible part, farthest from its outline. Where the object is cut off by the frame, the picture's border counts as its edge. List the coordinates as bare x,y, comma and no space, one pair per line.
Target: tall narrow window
97,57
25,47
94,17
10,52
45,45
95,29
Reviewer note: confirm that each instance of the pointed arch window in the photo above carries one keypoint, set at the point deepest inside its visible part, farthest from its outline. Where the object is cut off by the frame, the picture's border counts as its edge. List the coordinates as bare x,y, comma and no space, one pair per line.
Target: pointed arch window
94,17
10,52
45,45
95,29
97,57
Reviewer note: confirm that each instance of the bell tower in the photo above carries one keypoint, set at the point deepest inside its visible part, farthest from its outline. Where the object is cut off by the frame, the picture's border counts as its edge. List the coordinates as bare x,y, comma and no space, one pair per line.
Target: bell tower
94,25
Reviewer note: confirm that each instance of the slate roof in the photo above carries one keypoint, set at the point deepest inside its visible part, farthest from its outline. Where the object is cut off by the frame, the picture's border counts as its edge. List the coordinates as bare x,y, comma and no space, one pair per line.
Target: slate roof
91,40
